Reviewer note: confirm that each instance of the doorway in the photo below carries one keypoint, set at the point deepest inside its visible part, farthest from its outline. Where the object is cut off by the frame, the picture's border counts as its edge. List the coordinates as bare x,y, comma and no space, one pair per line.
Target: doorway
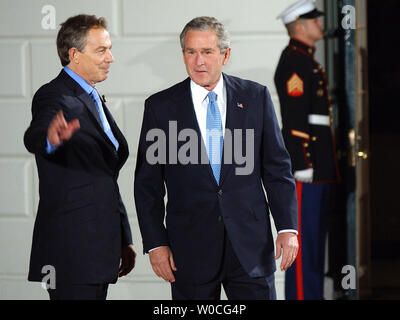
384,132
364,77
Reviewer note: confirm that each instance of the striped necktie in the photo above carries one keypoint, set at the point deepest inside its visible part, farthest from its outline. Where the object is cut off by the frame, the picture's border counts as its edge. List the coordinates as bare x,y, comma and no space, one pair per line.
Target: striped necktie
214,136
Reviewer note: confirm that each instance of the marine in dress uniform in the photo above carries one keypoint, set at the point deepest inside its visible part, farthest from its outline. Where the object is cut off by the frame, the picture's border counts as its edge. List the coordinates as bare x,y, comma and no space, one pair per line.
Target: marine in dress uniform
306,117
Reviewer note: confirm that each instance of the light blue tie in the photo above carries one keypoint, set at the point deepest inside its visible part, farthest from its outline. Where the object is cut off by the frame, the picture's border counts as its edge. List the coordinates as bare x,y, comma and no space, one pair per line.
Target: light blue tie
215,140
106,126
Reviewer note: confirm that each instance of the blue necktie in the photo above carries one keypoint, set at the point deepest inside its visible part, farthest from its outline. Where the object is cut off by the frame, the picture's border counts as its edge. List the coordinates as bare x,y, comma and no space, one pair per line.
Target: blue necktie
106,126
215,140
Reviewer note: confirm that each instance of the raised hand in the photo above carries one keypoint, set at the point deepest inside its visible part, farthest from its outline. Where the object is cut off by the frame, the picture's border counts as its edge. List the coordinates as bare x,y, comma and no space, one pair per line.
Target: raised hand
60,130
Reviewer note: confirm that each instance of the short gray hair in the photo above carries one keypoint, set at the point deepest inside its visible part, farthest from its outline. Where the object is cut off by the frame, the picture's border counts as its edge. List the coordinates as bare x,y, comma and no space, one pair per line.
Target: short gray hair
204,24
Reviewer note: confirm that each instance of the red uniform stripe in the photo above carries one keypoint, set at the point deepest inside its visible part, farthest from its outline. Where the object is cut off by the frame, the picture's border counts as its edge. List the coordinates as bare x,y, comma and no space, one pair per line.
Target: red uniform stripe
299,271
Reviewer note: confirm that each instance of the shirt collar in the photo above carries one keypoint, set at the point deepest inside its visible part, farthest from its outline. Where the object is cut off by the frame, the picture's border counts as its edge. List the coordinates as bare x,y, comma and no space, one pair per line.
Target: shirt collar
85,86
199,93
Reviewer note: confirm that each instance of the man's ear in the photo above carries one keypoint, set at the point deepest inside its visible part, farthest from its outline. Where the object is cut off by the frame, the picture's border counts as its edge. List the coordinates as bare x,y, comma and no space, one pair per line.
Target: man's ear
227,54
300,27
73,54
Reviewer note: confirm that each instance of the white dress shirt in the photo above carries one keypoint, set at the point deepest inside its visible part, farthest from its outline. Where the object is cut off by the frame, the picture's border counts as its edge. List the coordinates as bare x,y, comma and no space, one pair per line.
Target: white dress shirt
200,103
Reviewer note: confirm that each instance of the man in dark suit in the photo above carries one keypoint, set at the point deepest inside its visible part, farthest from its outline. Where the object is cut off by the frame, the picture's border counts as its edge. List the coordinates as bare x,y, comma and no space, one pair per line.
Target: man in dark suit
218,227
81,232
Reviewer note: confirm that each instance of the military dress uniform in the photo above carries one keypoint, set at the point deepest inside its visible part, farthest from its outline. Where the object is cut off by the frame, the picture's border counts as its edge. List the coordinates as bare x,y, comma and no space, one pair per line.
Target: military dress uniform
306,111
306,118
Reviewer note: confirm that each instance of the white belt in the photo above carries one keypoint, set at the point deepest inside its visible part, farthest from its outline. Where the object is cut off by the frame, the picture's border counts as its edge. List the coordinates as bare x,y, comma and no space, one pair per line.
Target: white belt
319,119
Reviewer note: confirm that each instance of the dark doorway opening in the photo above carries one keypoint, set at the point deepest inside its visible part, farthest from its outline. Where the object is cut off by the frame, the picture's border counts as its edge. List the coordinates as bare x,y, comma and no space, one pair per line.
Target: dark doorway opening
384,115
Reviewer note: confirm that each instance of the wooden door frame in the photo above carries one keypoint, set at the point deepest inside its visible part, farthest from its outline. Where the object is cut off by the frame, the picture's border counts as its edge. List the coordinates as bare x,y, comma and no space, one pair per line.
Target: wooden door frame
362,145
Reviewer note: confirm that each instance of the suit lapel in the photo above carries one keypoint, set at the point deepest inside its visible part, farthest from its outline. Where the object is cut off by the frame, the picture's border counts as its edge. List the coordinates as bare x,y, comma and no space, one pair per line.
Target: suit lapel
91,106
84,97
185,113
123,144
235,116
187,118
93,113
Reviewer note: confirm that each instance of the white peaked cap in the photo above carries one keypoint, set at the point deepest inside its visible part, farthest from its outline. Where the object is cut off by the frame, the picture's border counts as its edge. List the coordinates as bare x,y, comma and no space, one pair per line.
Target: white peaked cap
298,9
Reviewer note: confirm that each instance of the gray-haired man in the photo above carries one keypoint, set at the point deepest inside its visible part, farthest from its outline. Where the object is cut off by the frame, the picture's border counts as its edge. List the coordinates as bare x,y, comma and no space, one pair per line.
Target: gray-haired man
217,225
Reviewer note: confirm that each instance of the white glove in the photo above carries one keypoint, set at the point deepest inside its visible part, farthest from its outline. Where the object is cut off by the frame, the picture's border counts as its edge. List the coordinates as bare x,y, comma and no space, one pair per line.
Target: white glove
305,176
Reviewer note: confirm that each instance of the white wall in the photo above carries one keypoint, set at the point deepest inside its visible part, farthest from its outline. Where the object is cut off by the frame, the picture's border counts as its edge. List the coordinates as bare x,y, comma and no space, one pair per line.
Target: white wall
147,59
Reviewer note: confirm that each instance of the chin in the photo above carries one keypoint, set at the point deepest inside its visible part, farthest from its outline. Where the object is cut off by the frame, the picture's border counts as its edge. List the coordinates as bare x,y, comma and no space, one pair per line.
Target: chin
201,83
102,79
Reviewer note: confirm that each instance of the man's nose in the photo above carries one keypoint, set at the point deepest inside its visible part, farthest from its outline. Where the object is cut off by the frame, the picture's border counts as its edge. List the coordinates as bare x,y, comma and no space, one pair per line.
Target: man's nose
199,59
110,57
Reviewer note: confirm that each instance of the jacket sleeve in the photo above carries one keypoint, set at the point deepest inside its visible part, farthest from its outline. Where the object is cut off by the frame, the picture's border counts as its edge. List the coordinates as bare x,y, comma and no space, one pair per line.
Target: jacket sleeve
276,171
125,227
149,189
45,106
294,90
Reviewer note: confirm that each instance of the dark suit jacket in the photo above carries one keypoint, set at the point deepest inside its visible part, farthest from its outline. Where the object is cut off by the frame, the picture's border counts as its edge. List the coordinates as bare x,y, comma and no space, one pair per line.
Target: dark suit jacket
81,222
198,209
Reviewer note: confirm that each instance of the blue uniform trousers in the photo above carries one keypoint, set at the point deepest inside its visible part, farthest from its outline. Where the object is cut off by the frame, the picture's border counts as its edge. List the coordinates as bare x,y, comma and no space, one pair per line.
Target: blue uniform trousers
304,280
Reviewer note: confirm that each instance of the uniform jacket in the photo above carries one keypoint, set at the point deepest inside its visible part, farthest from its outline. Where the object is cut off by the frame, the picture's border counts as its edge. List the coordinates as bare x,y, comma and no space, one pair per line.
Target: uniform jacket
198,209
81,221
303,93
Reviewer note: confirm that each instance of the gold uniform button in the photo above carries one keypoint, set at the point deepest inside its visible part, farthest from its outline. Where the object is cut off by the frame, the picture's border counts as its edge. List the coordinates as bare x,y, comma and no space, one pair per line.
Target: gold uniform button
308,154
305,145
314,138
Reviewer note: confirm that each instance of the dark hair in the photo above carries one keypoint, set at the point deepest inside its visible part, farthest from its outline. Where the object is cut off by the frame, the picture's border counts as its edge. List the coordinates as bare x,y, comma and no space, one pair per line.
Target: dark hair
73,34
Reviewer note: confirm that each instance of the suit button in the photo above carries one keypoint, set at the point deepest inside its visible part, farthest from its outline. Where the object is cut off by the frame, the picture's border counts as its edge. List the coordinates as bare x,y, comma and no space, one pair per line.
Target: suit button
220,192
219,218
